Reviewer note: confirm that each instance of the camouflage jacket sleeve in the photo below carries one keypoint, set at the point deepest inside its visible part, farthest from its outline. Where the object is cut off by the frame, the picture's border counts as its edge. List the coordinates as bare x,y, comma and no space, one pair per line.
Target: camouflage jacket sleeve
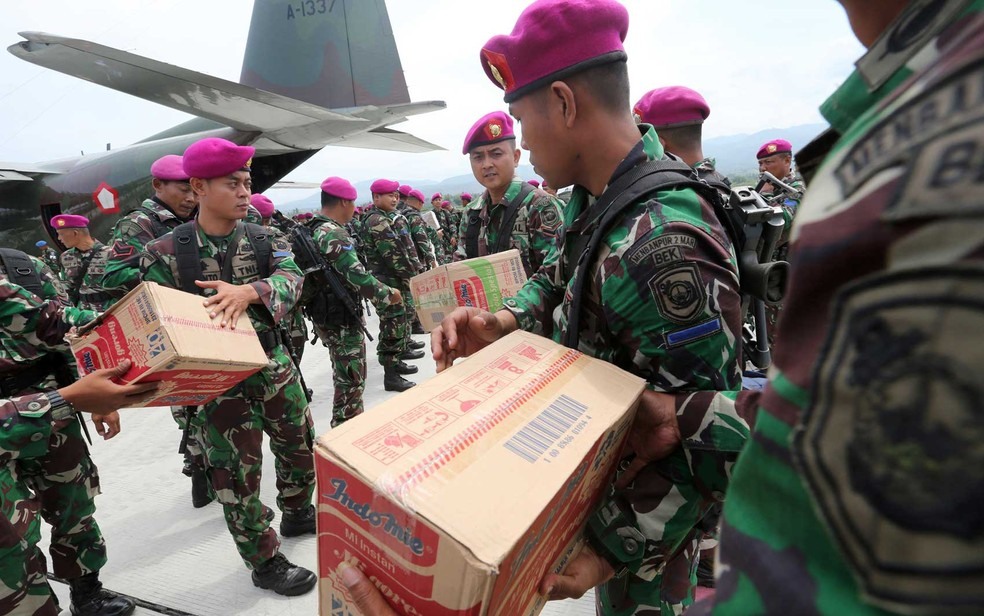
281,290
26,424
28,322
122,272
339,250
135,230
544,223
154,266
462,228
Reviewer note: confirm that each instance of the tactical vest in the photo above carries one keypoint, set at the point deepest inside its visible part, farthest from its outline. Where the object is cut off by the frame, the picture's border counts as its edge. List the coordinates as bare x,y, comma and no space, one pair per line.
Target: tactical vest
20,270
322,303
505,229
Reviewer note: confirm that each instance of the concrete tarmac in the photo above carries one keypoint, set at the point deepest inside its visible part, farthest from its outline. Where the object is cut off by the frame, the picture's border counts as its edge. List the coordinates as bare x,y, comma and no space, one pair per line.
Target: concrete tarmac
178,560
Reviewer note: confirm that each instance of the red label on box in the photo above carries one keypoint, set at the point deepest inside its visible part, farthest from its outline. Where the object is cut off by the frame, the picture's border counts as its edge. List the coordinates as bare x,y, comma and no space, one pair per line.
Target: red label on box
471,292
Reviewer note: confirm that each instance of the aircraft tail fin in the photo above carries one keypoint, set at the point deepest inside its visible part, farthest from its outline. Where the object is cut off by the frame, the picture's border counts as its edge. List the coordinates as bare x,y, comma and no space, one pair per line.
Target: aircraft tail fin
332,53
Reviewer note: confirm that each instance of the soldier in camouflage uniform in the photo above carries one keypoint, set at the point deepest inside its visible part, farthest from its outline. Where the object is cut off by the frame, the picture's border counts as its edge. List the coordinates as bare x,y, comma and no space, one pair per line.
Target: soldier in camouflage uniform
426,252
390,262
230,428
345,339
660,299
491,148
55,475
83,264
173,203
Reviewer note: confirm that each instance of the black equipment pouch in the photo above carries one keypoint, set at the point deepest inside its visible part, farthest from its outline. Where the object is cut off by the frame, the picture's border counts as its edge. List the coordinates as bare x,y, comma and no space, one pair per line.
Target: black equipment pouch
508,220
20,270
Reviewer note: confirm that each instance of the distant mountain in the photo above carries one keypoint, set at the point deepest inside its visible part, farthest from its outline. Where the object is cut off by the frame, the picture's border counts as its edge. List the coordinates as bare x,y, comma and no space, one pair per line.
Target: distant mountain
734,155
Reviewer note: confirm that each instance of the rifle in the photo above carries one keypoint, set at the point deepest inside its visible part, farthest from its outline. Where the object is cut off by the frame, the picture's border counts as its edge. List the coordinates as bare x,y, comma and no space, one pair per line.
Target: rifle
309,257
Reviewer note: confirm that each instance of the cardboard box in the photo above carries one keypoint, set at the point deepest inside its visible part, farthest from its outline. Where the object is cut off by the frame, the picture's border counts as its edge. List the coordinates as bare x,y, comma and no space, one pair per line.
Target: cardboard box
431,219
483,282
456,496
169,337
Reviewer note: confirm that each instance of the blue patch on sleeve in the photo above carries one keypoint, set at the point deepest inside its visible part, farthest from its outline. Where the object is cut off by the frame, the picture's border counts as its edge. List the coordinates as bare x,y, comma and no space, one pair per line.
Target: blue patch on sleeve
281,254
349,247
790,203
690,334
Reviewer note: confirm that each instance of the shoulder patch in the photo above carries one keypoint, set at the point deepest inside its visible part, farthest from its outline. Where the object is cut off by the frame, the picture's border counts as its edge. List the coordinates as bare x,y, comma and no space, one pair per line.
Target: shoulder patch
679,292
663,250
891,445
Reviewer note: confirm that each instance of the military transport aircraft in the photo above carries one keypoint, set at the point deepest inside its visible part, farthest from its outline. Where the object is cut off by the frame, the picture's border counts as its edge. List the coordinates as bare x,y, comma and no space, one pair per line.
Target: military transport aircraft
315,73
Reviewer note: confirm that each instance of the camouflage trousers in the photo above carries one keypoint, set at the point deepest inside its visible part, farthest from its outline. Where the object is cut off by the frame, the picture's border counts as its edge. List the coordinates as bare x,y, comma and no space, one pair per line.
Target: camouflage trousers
670,499
347,346
394,328
298,333
59,488
193,459
230,431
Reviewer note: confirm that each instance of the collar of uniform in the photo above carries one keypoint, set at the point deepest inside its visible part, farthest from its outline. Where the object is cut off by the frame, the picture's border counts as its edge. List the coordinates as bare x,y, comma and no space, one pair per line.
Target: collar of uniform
220,244
514,186
706,164
161,209
319,217
887,63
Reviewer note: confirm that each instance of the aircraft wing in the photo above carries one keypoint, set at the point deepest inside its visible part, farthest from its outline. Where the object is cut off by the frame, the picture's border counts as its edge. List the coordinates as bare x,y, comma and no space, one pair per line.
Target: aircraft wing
387,139
18,172
241,107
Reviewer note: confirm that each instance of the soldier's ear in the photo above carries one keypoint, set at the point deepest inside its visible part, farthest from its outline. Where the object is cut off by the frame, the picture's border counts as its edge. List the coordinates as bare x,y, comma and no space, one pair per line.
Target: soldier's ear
197,185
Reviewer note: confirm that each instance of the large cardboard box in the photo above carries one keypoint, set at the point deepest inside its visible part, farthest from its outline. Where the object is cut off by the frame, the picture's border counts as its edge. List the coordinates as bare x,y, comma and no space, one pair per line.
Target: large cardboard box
483,282
169,337
456,496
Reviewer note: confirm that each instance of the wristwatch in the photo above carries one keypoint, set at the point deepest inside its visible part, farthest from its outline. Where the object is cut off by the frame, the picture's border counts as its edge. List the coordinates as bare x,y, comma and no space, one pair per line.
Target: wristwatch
60,408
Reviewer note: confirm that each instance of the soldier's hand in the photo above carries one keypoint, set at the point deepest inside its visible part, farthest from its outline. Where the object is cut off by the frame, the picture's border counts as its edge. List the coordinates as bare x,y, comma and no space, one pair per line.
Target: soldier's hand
365,594
654,435
396,297
586,571
465,331
96,393
108,425
229,301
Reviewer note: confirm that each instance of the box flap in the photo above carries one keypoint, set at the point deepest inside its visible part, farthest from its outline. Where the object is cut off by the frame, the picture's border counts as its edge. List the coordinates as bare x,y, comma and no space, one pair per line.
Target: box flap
482,448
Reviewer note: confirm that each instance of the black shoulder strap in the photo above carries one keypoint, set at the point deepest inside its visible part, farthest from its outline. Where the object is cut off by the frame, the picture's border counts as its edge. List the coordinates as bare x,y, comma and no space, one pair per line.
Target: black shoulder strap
186,254
471,232
653,176
509,218
20,270
259,239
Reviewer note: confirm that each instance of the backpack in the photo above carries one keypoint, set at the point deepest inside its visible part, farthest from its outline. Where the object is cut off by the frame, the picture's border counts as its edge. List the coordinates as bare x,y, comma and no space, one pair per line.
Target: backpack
20,270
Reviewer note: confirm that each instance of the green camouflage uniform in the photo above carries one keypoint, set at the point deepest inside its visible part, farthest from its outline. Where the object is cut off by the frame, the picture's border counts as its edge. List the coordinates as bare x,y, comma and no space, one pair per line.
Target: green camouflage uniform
230,428
421,239
630,317
390,263
450,240
148,221
84,283
345,341
859,491
534,234
44,466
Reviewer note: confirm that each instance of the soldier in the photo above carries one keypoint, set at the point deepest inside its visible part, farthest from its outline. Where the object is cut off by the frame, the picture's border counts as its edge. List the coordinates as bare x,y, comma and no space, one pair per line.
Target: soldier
449,230
776,157
49,256
418,229
83,264
173,203
245,269
54,474
435,234
342,332
391,265
534,183
264,207
649,283
678,113
510,213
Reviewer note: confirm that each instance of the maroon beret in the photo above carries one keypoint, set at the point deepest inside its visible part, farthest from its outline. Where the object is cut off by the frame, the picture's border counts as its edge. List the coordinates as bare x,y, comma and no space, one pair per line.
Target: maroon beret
416,194
69,221
437,196
553,39
490,128
671,106
405,190
169,168
339,187
384,187
533,183
776,146
446,203
262,204
216,158
466,197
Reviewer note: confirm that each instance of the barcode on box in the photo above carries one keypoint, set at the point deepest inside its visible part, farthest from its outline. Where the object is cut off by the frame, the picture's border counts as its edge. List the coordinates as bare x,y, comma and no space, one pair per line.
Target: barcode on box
546,429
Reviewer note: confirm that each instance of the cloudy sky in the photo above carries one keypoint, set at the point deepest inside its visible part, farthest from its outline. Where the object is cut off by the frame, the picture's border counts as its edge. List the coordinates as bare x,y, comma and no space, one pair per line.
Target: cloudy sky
760,64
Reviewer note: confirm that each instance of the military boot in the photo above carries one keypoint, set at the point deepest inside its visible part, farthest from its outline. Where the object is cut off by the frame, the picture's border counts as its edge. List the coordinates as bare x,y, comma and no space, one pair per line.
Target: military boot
392,381
402,368
284,577
201,493
417,344
408,354
89,598
296,523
